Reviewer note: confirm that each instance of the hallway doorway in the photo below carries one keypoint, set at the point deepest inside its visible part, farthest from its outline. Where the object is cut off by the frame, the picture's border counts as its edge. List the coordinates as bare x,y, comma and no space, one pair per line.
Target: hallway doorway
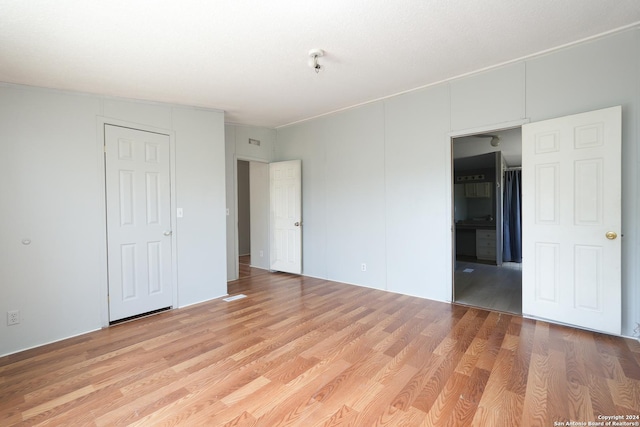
252,215
485,274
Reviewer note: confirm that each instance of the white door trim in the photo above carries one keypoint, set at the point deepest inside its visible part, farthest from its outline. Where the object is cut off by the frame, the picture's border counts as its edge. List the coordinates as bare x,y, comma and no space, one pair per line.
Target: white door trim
497,127
101,121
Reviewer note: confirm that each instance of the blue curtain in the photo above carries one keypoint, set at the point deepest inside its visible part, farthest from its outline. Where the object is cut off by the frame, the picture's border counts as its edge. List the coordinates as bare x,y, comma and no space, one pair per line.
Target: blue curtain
512,217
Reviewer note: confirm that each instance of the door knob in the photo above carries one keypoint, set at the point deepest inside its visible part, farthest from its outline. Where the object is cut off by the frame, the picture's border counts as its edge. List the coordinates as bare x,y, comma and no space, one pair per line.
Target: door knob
611,235
168,233
297,224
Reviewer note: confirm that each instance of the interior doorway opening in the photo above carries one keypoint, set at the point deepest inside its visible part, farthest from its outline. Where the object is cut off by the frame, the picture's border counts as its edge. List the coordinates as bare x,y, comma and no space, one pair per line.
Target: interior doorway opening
252,217
487,238
244,219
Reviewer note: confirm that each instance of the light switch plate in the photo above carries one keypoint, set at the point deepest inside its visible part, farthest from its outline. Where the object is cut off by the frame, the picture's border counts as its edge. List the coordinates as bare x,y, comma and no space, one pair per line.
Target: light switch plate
180,213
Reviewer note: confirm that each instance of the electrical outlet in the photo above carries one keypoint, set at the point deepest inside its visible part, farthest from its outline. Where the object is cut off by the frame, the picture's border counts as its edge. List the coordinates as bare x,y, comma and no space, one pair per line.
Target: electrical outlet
13,317
363,267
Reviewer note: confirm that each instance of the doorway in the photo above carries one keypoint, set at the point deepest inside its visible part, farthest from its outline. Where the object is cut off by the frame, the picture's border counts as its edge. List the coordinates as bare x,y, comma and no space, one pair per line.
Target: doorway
244,219
252,202
274,216
487,273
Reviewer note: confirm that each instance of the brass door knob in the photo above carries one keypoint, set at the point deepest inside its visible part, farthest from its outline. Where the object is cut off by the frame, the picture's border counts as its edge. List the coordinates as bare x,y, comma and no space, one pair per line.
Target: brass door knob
611,235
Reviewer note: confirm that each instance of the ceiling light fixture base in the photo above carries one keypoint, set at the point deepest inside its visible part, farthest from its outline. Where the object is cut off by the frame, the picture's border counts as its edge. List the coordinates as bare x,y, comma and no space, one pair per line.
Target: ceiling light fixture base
314,54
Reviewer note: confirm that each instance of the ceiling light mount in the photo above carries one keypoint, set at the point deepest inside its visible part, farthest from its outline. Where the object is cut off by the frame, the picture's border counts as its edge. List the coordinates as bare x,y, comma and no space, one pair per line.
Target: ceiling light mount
314,54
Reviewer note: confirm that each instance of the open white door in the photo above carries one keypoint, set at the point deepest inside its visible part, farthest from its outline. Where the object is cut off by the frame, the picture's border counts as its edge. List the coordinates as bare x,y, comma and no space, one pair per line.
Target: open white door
571,199
286,216
137,169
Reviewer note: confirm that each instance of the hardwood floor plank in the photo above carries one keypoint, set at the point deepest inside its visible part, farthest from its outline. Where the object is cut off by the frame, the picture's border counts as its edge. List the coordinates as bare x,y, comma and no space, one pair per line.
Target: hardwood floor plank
406,398
435,383
373,407
243,420
132,407
496,393
299,402
443,406
250,405
576,371
470,358
601,399
466,407
522,356
541,339
494,331
579,401
77,412
535,412
310,381
557,403
241,393
345,416
301,351
625,393
57,401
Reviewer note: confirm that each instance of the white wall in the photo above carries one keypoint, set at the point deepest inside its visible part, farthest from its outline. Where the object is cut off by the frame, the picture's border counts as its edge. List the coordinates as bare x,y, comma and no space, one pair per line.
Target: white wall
306,142
418,193
490,97
237,147
230,199
342,170
200,191
377,178
354,170
52,186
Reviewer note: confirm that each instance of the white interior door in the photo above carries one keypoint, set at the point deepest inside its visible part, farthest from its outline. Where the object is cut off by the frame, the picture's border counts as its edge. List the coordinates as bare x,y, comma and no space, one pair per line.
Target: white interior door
286,216
139,233
571,187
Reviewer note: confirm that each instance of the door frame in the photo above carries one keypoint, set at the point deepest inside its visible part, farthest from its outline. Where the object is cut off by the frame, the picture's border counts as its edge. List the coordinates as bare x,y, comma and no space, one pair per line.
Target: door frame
236,242
101,121
450,182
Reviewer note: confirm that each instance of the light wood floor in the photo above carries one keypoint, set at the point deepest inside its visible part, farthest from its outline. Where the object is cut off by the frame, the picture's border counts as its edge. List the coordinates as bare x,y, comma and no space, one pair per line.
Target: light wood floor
308,352
245,269
489,286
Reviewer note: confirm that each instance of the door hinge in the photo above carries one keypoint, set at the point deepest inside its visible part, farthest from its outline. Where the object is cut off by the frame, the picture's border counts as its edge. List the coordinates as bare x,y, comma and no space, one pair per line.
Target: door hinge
104,147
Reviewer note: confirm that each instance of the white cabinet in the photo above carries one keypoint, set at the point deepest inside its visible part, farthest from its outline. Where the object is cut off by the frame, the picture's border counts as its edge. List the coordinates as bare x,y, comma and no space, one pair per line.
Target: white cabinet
486,244
477,189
